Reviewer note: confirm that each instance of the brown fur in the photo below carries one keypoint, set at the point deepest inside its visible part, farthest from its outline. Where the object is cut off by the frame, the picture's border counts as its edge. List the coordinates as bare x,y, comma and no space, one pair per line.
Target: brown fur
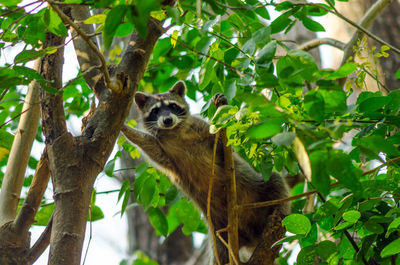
185,152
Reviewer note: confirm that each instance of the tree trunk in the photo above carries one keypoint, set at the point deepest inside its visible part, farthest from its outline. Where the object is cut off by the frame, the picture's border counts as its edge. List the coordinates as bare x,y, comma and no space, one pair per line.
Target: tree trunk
385,26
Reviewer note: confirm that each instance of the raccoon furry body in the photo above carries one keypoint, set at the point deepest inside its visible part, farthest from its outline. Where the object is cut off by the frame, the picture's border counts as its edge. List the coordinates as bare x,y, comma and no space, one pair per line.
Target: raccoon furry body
181,146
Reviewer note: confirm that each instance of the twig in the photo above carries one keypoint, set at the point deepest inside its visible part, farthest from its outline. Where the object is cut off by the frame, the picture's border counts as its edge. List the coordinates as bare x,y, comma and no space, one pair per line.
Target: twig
322,41
206,55
13,118
281,201
18,8
233,217
18,20
210,186
231,197
228,246
91,44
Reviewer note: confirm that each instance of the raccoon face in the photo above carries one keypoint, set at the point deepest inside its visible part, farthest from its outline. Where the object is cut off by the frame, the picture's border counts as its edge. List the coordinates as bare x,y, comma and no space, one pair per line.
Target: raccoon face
163,111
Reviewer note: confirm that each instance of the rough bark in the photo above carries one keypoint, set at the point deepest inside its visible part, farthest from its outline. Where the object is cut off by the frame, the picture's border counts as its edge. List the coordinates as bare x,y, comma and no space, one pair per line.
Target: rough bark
75,162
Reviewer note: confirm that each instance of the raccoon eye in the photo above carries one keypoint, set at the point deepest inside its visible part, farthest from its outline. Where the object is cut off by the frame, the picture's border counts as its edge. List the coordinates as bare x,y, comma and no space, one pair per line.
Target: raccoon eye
154,111
174,107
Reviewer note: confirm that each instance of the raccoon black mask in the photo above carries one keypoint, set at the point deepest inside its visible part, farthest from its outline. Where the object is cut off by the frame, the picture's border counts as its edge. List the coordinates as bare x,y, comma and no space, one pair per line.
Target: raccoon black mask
163,111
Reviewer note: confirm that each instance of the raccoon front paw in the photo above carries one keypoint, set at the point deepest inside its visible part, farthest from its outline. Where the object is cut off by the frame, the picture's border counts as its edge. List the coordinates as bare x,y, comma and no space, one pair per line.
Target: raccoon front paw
219,99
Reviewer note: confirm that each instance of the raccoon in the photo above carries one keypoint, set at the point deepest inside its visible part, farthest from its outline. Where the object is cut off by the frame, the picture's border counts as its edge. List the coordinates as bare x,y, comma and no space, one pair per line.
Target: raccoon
181,146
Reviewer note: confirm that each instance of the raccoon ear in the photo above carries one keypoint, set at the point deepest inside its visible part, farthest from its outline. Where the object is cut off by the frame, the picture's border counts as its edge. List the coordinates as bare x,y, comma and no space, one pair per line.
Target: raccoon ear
179,88
141,99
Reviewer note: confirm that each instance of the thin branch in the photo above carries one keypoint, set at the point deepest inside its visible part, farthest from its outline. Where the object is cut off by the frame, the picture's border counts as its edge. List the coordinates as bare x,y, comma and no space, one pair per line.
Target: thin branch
210,186
228,246
40,245
322,41
89,41
26,215
19,8
237,71
233,217
311,192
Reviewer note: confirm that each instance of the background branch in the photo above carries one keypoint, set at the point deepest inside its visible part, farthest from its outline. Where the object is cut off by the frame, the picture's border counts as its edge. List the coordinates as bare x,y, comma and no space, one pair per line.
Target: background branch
322,41
20,151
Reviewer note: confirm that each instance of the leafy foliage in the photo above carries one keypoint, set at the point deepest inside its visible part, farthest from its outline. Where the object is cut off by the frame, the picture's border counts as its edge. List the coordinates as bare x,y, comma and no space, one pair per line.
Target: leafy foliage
277,101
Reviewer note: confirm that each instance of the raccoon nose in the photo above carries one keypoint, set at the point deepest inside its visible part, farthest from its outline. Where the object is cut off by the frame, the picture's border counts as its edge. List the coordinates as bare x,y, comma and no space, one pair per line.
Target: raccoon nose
168,121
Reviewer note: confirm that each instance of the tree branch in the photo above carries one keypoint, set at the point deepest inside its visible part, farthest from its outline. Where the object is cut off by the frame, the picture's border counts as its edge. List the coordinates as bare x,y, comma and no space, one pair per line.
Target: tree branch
210,186
322,41
365,23
20,151
88,40
311,192
40,245
26,215
88,57
232,205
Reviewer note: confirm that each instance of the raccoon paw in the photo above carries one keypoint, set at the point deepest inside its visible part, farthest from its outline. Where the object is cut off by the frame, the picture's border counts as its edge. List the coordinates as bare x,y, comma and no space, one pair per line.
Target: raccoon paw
219,99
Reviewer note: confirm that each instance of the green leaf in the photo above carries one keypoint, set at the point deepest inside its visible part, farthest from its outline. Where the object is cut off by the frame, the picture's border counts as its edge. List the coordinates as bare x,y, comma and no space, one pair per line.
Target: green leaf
109,168
265,56
326,249
96,19
142,259
10,3
375,144
320,177
344,71
373,103
335,100
281,22
343,226
312,25
341,168
297,224
394,226
263,12
54,23
28,55
113,20
351,216
43,215
283,139
307,256
158,220
392,249
314,105
95,213
374,227
6,139
124,187
262,36
10,78
266,130
397,75
148,190
125,201
124,30
188,215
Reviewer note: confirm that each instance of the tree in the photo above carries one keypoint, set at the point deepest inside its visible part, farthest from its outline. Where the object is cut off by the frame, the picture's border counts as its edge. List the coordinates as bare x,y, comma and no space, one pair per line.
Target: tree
285,114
